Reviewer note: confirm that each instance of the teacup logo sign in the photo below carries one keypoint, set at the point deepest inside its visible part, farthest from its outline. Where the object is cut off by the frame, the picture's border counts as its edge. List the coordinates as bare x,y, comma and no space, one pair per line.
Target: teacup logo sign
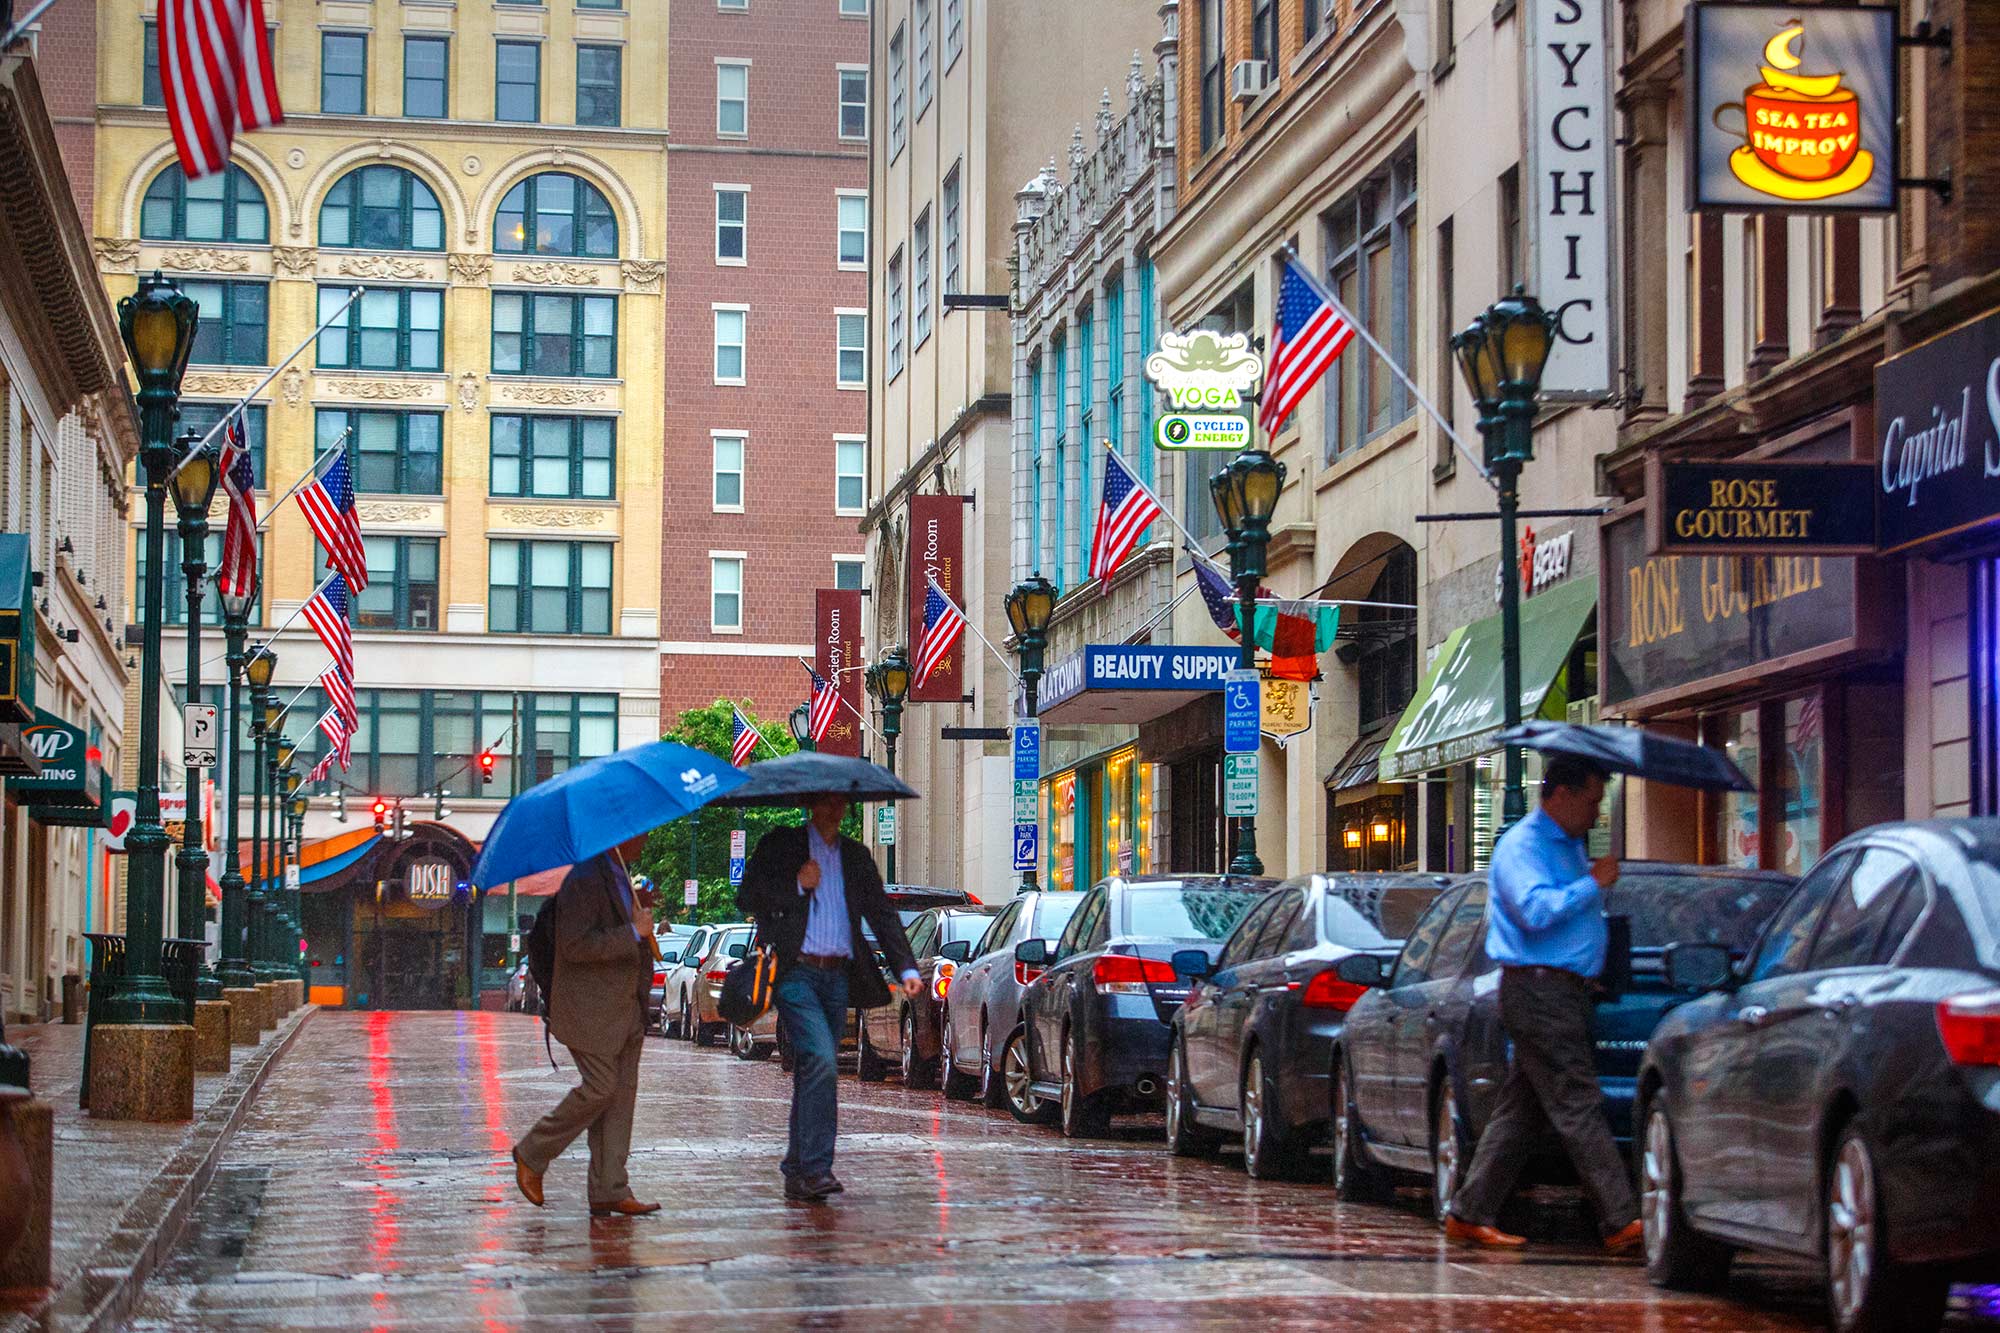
1206,377
1804,129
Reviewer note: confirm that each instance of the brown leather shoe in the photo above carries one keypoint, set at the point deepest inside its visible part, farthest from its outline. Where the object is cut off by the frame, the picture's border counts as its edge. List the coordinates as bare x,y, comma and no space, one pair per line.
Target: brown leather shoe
1493,1238
1626,1239
529,1182
623,1208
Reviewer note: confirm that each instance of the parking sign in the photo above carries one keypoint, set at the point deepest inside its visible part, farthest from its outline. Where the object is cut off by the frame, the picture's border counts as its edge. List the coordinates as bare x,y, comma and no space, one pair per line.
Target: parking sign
1027,845
1239,785
1241,698
1027,751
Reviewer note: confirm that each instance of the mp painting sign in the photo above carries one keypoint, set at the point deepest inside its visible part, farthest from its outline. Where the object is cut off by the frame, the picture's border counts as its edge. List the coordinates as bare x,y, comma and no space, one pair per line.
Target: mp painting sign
1569,149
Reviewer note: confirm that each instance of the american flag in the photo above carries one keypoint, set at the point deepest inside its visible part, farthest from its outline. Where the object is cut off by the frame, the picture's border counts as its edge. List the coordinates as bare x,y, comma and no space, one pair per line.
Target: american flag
825,705
328,502
340,692
943,623
1309,335
1217,595
322,768
327,613
1127,510
338,731
743,737
215,77
238,575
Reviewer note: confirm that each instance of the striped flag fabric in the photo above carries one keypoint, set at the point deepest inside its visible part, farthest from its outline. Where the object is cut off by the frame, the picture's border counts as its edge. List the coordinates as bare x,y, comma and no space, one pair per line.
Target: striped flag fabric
1310,333
943,624
743,737
322,768
328,503
1123,516
237,575
216,77
824,707
340,692
327,614
1217,596
337,731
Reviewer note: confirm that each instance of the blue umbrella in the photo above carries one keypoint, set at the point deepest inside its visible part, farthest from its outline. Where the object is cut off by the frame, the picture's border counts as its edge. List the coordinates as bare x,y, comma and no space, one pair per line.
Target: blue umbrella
595,806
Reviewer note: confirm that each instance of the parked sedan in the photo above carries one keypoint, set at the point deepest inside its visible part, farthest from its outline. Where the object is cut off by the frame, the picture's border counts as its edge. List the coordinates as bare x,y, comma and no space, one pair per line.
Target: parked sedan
677,991
670,957
905,1032
1420,1060
523,996
1838,1094
985,1048
703,1016
1097,1018
1253,1046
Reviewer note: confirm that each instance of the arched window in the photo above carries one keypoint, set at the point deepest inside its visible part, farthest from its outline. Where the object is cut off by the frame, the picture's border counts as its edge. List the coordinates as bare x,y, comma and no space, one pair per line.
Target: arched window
224,206
381,208
556,213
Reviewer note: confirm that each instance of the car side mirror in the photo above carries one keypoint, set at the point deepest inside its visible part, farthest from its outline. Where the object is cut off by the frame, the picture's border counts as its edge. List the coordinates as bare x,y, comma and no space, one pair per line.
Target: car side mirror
956,951
1367,970
1032,953
1193,964
1697,967
738,950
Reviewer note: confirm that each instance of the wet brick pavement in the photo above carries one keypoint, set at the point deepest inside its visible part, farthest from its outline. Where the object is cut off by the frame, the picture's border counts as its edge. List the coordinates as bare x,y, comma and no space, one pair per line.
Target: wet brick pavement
370,1188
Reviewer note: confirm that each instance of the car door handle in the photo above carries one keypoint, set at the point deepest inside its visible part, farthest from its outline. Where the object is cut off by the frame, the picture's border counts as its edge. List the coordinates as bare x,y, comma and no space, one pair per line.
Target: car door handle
1752,1016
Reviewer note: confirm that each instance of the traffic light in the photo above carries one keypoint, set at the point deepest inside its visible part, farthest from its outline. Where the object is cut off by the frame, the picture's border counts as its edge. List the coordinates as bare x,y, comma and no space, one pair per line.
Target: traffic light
485,767
439,809
340,807
402,821
381,815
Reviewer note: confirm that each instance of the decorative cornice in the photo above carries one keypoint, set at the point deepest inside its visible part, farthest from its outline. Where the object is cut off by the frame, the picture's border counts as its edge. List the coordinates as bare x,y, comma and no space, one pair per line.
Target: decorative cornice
117,254
385,511
643,275
473,268
296,259
293,383
382,390
537,516
555,395
468,391
230,386
551,274
206,260
382,266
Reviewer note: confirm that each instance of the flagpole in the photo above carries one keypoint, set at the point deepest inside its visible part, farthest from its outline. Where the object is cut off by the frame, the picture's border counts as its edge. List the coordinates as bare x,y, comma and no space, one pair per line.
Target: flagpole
286,623
15,33
276,370
312,470
834,684
1361,331
1164,510
997,654
1160,617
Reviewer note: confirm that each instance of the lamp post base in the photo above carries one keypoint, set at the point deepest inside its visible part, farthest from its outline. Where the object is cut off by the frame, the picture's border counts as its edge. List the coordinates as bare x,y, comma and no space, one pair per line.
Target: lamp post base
273,1004
142,1071
246,1015
211,1036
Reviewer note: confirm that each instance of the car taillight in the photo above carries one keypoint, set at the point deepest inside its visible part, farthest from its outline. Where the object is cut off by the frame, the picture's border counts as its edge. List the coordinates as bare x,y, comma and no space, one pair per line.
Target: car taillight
718,975
946,970
1970,1026
1123,974
1327,991
1023,974
659,979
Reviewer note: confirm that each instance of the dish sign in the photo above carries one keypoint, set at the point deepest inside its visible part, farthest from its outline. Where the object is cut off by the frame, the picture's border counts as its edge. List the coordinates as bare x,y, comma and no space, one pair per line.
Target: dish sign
1792,108
430,882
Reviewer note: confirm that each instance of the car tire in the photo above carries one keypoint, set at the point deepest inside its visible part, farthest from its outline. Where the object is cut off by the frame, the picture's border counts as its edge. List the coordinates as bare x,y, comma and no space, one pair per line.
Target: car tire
1355,1178
918,1072
958,1087
1016,1079
704,1033
1865,1291
992,1078
1677,1256
1450,1151
868,1066
1269,1152
1083,1115
687,1020
1185,1138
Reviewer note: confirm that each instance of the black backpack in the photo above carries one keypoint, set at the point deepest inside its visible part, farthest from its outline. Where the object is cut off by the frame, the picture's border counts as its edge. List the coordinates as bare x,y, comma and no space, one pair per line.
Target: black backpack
542,952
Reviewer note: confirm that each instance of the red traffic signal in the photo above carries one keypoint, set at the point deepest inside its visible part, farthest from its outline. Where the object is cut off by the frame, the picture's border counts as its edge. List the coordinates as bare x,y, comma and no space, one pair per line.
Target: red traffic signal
381,814
486,762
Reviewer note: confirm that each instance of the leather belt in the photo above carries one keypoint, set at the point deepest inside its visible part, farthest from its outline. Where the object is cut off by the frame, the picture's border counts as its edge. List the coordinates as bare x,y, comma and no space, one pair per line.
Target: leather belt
826,962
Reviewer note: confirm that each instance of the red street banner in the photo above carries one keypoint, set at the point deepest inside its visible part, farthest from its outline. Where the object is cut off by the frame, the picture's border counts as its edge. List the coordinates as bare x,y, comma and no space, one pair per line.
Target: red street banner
836,656
937,528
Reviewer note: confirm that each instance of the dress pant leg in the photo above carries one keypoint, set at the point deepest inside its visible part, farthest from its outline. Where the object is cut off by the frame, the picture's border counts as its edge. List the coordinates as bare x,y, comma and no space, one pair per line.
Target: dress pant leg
1553,1048
574,1114
815,1069
1516,1126
611,1133
833,1000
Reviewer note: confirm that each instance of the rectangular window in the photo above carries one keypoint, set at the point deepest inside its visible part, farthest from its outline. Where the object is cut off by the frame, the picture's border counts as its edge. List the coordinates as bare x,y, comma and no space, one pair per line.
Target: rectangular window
847,572
517,81
850,335
1086,437
850,474
600,85
402,591
1060,391
920,280
426,70
1212,89
1312,16
1446,369
854,9
853,103
954,30
554,457
343,73
852,225
1035,472
893,336
949,238
1114,362
536,334
731,339
201,418
1510,228
549,587
409,741
235,322
150,93
389,453
732,4
898,83
727,497
1370,241
923,43
732,100
174,581
389,328
1264,35
1148,396
732,208
725,594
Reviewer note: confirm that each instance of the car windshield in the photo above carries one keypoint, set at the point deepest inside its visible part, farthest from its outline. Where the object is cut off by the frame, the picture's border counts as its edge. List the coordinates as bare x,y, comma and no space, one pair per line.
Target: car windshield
1190,912
1699,909
1372,917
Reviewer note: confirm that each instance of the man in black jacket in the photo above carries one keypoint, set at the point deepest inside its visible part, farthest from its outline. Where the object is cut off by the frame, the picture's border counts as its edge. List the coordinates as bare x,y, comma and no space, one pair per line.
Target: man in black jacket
810,889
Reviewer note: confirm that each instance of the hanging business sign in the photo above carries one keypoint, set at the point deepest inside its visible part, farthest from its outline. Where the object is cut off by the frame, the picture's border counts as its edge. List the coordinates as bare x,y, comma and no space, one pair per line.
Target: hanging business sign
1569,173
836,657
1792,107
1937,409
937,538
429,883
1762,508
1205,371
1287,709
72,768
1202,430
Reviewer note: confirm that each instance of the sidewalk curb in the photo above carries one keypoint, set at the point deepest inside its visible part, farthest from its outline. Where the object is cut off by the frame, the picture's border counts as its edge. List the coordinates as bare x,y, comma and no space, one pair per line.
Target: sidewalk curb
105,1290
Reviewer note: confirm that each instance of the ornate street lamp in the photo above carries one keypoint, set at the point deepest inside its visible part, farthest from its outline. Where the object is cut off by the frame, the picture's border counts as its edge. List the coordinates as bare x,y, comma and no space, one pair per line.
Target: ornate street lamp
194,490
799,723
1029,606
288,898
1245,491
1501,355
279,915
234,970
157,324
889,681
262,666
297,809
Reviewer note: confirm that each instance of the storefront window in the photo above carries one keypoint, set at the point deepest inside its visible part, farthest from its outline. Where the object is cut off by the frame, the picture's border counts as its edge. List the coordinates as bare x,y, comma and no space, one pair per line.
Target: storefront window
1117,814
1097,819
1059,824
1736,831
1800,785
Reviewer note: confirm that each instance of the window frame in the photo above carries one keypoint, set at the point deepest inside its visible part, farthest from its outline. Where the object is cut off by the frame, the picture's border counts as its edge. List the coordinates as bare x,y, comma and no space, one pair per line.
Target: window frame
174,582
1212,69
617,56
852,9
923,13
1264,35
841,103
524,548
717,559
954,32
732,63
860,476
950,210
716,311
195,415
443,83
920,279
839,231
586,200
1394,228
529,333
858,563
898,91
152,93
892,330
350,323
229,328
576,454
742,226
408,182
402,418
234,183
741,439
397,581
842,349
326,38
499,85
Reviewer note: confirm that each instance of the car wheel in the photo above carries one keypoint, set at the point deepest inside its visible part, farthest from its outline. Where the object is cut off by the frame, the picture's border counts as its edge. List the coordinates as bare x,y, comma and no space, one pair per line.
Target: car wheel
687,1020
1677,1256
958,1086
1185,1138
1865,1291
704,1033
917,1071
868,1066
1267,1148
1083,1114
1355,1179
1450,1153
992,1079
1017,1083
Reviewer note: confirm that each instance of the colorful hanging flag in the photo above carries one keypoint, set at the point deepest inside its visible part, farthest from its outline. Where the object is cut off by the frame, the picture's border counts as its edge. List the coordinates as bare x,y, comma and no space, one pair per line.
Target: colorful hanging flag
216,77
327,614
340,692
825,706
1217,596
337,731
322,768
943,624
328,502
1123,516
1296,633
1310,333
237,575
743,737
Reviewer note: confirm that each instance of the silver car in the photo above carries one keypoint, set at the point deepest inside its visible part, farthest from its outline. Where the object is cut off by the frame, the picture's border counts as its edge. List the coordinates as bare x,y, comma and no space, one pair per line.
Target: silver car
703,1016
670,957
984,1053
677,991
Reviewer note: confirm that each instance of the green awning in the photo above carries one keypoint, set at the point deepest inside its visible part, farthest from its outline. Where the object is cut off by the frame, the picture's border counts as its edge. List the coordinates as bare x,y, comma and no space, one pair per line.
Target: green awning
72,769
93,814
1458,708
17,629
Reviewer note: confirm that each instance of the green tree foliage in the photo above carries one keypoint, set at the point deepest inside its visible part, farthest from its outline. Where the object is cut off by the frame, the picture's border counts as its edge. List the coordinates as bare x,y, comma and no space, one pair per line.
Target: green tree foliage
702,841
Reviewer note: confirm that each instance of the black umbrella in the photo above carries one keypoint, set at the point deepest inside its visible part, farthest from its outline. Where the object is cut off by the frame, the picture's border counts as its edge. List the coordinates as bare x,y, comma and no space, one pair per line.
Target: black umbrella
1643,754
797,778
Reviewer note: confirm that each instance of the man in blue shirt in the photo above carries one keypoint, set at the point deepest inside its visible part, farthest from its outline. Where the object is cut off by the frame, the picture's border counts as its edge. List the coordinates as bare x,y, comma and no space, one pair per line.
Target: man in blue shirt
1545,928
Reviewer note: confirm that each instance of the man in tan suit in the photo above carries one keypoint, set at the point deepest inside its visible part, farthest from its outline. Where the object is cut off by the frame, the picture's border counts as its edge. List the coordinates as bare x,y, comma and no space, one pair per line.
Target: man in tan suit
597,1008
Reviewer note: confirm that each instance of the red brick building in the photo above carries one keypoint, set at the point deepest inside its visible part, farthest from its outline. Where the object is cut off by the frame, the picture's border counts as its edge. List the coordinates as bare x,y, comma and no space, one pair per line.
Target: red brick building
766,405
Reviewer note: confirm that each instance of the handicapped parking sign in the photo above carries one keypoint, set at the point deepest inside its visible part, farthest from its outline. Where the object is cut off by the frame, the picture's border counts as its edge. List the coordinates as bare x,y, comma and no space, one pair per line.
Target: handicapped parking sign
1241,697
1027,845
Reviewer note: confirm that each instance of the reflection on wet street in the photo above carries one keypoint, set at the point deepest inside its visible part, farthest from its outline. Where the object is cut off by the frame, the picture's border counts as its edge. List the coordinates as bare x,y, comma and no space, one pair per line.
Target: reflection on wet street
370,1187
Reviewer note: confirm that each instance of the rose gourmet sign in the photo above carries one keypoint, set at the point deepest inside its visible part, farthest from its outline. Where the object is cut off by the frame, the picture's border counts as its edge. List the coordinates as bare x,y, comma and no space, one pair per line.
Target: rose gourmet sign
1792,108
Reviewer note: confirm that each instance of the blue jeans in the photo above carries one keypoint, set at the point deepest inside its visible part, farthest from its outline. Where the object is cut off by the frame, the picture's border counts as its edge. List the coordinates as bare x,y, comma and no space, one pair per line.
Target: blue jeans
813,1005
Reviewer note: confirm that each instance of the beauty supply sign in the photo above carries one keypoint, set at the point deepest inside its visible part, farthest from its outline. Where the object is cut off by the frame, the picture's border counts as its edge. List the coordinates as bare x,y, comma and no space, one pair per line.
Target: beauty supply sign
1937,416
1792,108
1569,167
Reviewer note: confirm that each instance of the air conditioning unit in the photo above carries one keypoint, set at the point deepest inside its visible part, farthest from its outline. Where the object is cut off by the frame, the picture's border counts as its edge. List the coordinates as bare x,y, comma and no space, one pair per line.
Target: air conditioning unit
1249,79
